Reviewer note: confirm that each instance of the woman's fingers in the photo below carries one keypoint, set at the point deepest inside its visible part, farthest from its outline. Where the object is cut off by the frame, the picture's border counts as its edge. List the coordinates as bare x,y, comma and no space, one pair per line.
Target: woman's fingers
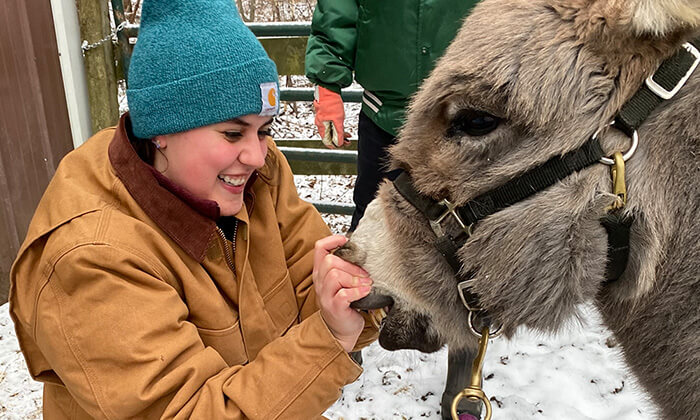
325,246
323,251
335,279
347,295
332,273
337,283
337,299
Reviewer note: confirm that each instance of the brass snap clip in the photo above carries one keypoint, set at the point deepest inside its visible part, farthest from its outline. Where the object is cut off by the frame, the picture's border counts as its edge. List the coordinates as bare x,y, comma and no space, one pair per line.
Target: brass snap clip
474,391
617,171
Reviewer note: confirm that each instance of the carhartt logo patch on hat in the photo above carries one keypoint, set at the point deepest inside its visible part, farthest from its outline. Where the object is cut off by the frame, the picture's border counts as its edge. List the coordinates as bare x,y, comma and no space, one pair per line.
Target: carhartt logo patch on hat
270,99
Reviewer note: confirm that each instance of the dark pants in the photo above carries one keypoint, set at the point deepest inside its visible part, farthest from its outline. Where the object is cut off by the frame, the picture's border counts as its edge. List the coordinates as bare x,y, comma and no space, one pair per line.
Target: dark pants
372,164
372,168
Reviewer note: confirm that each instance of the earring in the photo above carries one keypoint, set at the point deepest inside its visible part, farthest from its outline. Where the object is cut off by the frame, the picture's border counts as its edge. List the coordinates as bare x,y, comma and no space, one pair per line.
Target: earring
156,143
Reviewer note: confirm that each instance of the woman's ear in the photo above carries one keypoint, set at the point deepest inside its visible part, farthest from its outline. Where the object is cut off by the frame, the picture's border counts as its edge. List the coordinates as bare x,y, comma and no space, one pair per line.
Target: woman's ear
161,142
664,17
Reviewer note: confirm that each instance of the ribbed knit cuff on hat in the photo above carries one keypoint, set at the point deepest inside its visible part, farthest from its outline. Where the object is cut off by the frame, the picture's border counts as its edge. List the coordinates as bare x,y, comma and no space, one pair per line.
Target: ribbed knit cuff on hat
200,100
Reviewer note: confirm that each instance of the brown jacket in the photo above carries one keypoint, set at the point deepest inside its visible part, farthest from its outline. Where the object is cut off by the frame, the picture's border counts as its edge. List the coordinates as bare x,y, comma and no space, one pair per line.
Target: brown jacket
128,303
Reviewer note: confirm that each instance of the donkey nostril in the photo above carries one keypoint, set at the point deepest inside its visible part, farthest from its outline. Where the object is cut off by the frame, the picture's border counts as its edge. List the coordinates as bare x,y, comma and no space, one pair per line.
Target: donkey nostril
350,252
346,251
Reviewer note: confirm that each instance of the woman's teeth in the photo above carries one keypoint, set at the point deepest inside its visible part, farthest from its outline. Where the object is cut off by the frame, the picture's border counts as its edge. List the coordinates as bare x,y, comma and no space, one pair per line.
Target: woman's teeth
234,181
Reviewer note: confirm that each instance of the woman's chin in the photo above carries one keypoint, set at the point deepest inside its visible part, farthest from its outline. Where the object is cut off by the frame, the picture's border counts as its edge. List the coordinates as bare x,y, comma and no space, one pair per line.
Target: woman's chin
230,207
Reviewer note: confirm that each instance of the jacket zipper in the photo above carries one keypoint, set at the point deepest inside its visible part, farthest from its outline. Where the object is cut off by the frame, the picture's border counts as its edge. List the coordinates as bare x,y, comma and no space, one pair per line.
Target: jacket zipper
227,252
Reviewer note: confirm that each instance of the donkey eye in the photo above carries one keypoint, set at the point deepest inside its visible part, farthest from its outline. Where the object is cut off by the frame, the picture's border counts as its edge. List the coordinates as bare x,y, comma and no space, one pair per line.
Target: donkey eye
473,123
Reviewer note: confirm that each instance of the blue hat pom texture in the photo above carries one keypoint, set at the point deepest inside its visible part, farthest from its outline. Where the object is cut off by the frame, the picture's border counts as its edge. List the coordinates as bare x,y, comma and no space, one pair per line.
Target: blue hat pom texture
196,63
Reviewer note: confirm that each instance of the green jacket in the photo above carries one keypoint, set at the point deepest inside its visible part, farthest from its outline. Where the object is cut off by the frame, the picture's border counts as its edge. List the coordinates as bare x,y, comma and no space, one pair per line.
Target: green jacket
392,45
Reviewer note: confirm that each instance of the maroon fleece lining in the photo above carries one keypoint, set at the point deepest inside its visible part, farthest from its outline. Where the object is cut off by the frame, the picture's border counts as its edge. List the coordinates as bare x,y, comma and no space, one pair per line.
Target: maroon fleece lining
189,221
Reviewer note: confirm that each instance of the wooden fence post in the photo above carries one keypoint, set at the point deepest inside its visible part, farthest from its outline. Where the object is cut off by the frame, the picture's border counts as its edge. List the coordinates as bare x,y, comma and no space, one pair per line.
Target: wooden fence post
93,17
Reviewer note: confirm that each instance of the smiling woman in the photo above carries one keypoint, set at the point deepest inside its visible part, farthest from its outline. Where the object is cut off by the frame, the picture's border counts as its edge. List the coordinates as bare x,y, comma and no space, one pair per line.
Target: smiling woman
216,161
171,269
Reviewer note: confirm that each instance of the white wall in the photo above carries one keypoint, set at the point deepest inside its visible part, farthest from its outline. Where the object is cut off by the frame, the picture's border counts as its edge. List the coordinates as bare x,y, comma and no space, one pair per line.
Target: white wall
65,19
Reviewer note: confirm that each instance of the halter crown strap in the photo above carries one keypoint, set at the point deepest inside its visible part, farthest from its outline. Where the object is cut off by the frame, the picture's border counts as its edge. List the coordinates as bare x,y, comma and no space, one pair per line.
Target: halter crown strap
672,74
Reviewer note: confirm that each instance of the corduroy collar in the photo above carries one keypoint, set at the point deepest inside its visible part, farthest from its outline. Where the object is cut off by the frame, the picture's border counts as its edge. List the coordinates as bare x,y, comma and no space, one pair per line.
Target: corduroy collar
187,220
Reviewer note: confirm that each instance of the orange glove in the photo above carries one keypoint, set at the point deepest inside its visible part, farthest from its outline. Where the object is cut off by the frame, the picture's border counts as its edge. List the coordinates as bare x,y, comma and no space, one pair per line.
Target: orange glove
330,116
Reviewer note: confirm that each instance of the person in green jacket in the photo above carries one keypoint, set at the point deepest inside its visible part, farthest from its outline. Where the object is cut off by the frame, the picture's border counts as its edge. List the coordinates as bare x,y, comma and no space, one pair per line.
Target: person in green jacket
390,46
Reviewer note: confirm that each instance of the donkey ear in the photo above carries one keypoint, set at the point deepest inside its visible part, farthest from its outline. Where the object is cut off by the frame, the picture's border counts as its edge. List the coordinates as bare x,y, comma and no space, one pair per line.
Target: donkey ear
663,17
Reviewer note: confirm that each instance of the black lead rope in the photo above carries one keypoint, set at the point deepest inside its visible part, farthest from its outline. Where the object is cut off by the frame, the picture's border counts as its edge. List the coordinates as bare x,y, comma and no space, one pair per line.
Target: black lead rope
662,85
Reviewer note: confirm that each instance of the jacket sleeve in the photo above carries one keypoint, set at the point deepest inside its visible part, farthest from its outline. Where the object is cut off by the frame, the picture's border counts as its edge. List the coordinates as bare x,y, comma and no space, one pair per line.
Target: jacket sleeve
330,52
117,334
301,226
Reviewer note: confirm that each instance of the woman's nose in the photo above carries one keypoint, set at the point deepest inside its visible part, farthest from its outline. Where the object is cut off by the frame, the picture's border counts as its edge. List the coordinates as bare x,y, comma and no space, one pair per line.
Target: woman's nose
253,152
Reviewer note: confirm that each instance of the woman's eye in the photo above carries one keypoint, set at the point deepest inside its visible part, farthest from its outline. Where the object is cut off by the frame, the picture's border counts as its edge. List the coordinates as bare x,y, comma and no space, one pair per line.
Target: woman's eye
472,123
233,135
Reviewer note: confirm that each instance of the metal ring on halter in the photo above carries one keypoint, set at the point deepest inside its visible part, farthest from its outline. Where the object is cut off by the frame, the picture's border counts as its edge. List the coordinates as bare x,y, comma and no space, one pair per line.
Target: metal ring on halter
472,328
628,154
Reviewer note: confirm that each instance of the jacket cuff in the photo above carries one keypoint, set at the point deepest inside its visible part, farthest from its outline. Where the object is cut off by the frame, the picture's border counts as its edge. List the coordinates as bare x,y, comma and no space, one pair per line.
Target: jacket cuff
369,333
343,357
333,88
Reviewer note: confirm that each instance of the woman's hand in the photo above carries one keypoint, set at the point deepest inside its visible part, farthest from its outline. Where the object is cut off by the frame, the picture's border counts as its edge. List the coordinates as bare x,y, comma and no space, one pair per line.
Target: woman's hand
337,283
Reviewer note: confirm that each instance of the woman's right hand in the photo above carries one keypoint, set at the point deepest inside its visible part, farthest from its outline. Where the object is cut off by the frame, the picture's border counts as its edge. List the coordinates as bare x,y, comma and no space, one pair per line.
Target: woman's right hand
337,283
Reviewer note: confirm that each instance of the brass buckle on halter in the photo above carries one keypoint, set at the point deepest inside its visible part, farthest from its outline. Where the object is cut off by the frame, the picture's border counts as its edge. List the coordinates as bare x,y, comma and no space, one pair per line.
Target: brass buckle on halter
474,390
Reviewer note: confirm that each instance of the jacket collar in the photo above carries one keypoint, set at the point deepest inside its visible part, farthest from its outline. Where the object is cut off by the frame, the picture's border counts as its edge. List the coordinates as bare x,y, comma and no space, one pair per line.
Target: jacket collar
187,220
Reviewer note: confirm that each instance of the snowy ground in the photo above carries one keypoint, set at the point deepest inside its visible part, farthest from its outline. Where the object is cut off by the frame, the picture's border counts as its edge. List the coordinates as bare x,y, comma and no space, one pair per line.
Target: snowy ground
577,375
573,376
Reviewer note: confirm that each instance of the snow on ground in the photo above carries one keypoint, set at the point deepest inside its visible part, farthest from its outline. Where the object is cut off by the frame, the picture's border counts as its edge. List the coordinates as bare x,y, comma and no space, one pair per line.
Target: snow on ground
573,376
20,396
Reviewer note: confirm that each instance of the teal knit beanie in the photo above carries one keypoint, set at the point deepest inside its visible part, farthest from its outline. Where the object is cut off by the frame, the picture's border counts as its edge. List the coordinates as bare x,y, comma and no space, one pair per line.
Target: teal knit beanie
195,64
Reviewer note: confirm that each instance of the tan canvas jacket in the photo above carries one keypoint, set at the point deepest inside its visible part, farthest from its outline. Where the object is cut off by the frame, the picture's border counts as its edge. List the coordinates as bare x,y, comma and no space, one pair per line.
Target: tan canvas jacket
129,303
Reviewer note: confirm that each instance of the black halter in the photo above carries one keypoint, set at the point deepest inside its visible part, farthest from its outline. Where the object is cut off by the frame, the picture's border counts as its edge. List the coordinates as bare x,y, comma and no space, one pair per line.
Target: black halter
662,85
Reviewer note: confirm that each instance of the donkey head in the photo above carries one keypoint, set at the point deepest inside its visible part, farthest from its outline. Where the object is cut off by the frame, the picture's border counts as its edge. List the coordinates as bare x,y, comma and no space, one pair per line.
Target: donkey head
523,82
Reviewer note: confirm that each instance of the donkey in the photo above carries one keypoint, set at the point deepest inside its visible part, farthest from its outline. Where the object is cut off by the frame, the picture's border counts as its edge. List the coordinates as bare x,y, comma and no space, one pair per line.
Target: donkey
524,83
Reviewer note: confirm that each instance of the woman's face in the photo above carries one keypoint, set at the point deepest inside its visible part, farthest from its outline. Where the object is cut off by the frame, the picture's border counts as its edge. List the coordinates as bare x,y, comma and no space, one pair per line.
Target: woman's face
215,162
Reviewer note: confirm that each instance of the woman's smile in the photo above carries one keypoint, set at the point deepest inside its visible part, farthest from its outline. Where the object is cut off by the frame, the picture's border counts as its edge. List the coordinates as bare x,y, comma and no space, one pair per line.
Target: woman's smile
233,183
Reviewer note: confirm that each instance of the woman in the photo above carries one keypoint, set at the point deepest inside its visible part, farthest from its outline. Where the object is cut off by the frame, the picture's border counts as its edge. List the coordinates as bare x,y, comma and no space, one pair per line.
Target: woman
170,269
